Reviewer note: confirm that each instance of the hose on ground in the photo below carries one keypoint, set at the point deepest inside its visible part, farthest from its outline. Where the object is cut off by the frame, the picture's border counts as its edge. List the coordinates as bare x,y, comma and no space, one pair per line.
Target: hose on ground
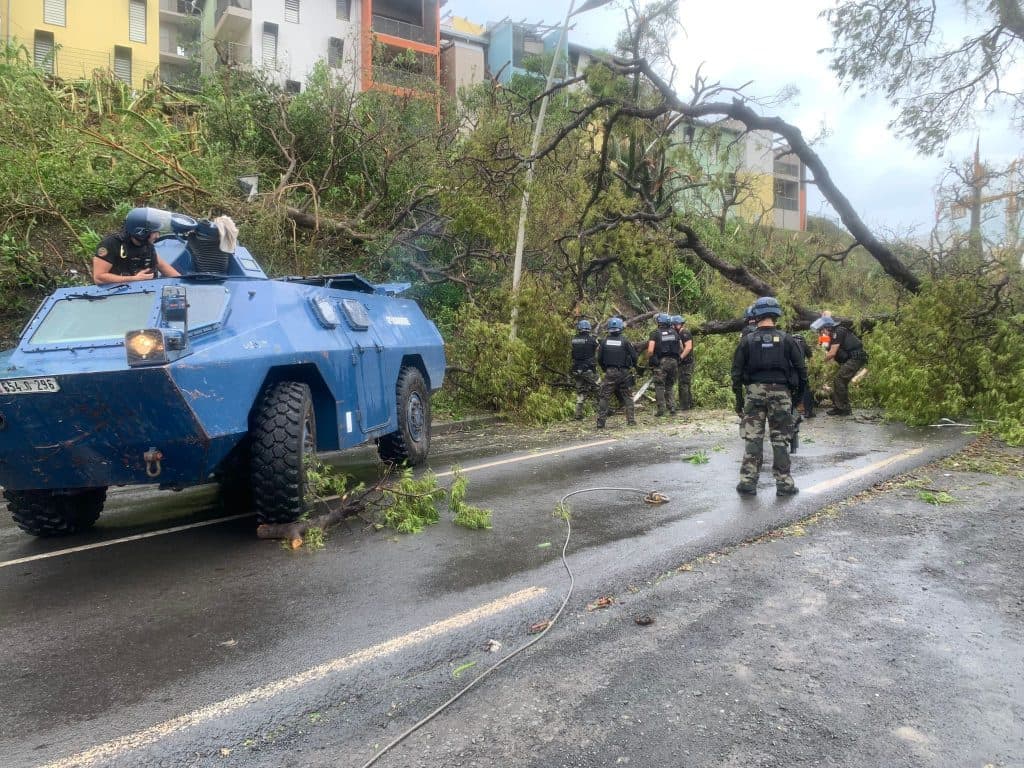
650,497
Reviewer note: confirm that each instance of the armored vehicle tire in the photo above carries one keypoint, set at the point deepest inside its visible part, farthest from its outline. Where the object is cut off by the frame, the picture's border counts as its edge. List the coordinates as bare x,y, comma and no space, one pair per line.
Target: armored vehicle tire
49,513
410,443
283,440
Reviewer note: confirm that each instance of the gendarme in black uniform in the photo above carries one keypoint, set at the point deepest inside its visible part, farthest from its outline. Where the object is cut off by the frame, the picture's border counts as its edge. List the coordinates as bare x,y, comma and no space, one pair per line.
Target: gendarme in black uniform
124,256
584,368
584,352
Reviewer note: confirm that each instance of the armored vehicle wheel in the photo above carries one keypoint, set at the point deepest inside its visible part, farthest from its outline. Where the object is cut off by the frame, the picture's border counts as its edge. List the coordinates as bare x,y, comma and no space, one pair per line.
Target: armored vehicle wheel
49,513
411,441
283,440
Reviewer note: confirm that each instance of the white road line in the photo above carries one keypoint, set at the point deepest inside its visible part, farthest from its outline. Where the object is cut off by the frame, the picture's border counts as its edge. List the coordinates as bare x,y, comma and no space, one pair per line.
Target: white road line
120,746
518,459
179,528
111,542
826,485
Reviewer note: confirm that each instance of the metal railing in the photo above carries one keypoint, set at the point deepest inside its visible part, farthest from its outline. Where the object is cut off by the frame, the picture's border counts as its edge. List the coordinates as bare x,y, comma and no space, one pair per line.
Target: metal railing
184,7
402,29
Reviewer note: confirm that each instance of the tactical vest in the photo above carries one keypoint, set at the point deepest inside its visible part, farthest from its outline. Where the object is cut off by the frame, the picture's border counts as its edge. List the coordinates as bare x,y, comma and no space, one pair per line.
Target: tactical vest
667,344
767,362
584,346
613,352
848,347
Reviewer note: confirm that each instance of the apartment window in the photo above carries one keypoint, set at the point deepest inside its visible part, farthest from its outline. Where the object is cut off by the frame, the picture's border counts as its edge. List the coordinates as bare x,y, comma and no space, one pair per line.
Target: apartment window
269,45
291,11
43,51
786,169
787,195
292,86
335,52
55,12
123,64
137,21
343,9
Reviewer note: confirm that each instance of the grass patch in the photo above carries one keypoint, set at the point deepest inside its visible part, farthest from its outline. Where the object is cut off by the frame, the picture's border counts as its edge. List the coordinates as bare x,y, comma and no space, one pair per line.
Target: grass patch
698,457
935,497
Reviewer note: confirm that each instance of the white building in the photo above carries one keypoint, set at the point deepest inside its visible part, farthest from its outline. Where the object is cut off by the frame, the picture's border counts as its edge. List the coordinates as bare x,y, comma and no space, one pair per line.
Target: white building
284,38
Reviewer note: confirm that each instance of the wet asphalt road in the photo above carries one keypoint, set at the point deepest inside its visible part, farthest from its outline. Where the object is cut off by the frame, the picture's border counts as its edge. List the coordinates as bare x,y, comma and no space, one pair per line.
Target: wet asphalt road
102,644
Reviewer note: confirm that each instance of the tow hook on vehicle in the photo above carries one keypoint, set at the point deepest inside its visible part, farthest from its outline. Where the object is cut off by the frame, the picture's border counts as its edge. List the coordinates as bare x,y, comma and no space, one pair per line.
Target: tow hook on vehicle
153,457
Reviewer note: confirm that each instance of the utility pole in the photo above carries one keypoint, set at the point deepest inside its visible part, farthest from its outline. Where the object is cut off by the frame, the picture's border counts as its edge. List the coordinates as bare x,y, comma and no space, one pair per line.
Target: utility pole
517,268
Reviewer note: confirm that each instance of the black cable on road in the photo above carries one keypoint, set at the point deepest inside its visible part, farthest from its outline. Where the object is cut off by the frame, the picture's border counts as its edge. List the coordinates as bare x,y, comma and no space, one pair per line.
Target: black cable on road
651,497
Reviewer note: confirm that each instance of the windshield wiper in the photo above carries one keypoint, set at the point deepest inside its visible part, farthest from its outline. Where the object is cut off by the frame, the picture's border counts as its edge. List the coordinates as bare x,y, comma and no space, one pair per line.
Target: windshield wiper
101,296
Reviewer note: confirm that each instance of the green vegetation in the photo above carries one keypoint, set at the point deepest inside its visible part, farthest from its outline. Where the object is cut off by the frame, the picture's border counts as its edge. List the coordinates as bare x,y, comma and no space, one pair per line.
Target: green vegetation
463,514
377,184
411,503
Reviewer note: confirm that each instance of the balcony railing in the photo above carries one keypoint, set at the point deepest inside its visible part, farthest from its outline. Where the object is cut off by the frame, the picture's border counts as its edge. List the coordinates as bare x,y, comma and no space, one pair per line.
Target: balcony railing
402,29
183,7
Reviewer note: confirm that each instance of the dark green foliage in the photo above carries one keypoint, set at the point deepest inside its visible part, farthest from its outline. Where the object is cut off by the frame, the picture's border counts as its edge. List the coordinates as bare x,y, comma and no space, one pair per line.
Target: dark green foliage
952,355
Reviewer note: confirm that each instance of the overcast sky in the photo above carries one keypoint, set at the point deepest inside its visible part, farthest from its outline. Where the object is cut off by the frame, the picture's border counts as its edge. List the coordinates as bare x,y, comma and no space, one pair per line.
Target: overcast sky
752,40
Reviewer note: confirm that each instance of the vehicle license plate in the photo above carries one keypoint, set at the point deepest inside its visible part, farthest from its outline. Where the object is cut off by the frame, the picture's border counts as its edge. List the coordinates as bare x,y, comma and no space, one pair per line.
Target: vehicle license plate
29,386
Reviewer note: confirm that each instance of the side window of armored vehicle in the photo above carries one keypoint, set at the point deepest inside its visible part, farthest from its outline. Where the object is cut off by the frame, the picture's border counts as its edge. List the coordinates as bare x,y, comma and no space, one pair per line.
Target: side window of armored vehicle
207,306
356,314
77,320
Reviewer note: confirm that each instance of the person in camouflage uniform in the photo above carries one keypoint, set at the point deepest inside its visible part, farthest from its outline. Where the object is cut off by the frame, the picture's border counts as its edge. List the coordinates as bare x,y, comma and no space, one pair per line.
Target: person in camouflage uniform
617,359
768,372
584,365
663,349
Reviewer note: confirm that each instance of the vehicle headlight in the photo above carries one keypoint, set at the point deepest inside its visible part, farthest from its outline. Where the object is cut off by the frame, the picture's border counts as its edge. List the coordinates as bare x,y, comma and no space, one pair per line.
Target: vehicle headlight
145,347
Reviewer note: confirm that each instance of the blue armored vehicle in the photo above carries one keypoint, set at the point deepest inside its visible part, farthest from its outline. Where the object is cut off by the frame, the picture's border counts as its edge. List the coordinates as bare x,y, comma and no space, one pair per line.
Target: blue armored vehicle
220,374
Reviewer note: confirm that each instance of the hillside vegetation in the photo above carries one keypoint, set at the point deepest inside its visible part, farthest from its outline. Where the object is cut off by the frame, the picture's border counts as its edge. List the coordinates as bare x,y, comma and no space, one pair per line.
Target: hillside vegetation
398,190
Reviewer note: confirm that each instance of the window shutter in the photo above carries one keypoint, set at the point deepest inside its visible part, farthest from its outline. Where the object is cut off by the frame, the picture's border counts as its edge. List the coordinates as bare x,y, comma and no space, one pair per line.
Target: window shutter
55,12
123,64
137,21
291,11
42,53
269,45
343,10
335,52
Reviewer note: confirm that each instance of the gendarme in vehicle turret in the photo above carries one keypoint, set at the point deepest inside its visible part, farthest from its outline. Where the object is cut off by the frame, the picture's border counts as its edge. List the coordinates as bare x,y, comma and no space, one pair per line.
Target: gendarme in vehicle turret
219,374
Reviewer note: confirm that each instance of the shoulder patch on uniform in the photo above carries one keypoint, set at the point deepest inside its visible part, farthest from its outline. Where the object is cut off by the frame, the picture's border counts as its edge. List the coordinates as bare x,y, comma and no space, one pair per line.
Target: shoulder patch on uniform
101,252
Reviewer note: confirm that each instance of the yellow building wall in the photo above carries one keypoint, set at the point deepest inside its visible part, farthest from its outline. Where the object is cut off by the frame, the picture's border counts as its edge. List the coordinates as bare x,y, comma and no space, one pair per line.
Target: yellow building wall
87,41
758,203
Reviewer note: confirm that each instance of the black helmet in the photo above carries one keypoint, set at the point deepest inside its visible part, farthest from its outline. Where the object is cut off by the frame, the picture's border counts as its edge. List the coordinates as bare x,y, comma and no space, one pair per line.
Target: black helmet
139,224
766,306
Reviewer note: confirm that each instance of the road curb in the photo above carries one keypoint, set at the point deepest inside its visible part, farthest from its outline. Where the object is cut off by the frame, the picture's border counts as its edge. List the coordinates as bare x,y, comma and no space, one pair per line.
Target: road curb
463,425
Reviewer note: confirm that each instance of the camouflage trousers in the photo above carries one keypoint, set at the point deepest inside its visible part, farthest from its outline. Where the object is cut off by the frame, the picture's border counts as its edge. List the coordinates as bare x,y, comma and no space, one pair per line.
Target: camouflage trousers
841,384
617,381
774,404
585,383
685,379
664,375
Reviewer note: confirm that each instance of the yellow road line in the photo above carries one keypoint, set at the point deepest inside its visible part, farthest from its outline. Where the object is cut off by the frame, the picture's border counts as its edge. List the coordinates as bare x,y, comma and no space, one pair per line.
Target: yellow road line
110,542
518,459
826,485
143,738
